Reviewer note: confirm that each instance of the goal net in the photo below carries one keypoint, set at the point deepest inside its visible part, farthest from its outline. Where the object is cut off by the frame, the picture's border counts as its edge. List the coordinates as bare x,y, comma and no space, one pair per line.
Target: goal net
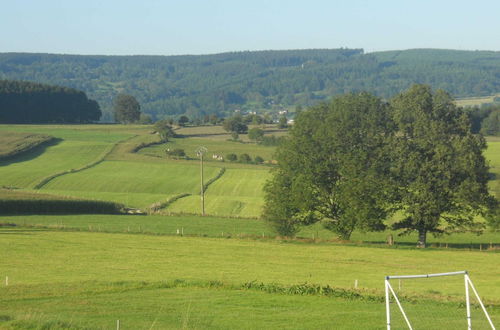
434,301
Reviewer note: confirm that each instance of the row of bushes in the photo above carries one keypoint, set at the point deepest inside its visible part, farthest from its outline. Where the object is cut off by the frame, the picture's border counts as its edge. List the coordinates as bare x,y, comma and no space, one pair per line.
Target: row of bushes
155,207
63,206
244,158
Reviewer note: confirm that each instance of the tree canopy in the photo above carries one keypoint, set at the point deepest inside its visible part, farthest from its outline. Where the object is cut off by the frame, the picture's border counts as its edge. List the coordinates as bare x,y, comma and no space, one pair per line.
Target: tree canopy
255,81
28,102
235,124
439,167
352,162
127,109
333,168
164,129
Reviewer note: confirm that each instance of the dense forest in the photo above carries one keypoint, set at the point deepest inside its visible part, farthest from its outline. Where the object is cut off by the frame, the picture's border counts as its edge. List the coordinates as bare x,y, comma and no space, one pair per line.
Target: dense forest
255,81
24,102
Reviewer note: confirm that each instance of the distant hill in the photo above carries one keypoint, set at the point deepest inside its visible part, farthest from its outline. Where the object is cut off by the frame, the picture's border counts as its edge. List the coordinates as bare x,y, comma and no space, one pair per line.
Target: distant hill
256,81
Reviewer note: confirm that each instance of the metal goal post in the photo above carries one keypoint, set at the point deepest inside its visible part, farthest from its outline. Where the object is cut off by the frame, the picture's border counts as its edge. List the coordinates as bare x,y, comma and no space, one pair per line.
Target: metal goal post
468,285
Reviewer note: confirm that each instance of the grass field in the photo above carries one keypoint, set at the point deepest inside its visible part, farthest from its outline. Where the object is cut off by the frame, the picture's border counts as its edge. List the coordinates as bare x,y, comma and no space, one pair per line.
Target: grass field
92,279
214,146
190,272
237,193
493,155
139,183
77,148
476,101
14,143
215,227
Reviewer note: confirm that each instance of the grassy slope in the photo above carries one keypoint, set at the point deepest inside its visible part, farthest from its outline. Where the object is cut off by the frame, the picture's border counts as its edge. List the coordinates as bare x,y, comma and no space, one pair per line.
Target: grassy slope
77,148
140,183
13,143
237,193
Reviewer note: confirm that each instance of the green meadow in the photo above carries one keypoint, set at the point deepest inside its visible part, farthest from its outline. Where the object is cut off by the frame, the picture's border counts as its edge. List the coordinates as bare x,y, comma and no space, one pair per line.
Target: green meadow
176,270
93,279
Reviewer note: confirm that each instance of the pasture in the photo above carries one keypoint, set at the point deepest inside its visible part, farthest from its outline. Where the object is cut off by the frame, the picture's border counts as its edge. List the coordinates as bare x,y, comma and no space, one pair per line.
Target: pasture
93,279
226,270
476,101
14,143
100,162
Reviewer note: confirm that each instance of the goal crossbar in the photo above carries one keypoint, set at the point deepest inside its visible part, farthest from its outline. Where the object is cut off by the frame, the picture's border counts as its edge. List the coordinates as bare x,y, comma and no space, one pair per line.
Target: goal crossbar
463,272
468,284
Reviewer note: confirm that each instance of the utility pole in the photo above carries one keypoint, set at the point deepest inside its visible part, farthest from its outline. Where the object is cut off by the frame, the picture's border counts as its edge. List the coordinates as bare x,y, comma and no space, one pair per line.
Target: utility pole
200,151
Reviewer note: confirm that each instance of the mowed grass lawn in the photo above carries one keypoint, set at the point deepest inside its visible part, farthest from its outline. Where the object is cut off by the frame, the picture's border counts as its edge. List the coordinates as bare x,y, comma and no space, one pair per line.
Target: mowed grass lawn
93,279
238,193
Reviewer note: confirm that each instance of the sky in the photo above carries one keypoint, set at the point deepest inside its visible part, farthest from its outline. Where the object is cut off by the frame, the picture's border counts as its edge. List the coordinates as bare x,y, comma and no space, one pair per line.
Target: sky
154,27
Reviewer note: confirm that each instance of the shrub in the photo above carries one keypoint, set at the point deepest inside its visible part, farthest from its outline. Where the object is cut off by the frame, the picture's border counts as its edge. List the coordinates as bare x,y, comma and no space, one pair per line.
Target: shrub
245,158
255,134
176,153
232,157
258,160
63,206
271,140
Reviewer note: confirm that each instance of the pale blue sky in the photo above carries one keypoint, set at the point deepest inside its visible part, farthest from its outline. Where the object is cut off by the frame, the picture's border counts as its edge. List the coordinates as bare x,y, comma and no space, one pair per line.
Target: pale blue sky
154,27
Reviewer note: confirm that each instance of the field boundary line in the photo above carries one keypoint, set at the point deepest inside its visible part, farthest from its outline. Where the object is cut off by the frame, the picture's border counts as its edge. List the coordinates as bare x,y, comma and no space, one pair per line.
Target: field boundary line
156,207
215,178
101,158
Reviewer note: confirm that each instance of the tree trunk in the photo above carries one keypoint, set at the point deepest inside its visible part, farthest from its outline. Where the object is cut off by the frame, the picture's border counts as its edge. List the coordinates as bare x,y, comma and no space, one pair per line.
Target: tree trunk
422,238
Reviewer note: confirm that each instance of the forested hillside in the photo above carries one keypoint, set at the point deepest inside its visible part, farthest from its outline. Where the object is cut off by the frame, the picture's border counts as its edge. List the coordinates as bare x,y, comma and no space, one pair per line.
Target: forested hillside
255,81
23,102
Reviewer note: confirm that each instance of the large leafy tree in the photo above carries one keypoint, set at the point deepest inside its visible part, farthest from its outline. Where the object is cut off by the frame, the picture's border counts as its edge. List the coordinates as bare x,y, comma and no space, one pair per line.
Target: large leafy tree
164,129
439,167
126,108
333,168
235,124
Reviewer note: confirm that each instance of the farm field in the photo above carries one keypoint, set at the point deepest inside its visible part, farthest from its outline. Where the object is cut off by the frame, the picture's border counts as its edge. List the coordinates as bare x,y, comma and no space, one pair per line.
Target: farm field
238,193
215,147
226,270
217,227
476,101
72,275
99,162
140,183
14,143
75,149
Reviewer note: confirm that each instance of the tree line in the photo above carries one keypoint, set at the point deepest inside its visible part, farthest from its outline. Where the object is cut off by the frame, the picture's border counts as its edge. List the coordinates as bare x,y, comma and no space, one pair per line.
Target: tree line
23,102
354,162
196,86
